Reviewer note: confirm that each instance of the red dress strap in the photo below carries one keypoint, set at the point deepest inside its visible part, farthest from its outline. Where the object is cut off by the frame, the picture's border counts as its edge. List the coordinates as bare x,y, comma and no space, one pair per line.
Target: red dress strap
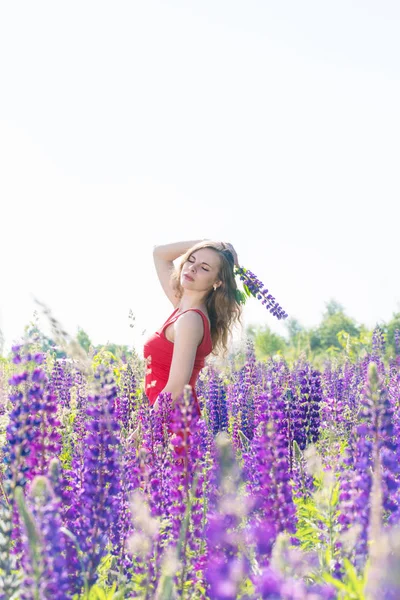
173,317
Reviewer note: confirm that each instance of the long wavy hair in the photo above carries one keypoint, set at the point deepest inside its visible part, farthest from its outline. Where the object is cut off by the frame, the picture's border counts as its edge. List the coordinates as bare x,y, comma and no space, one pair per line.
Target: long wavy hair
222,306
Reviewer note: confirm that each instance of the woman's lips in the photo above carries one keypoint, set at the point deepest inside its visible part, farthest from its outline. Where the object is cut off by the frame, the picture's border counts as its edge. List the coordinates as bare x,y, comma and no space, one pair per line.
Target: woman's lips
188,277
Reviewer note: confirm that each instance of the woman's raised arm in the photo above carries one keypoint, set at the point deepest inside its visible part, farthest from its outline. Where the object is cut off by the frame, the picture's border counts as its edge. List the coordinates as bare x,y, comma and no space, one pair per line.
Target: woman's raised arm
163,257
170,252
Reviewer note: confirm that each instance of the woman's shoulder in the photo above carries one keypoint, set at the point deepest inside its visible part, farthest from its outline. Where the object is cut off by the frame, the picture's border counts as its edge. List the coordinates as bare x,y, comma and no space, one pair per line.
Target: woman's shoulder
190,316
205,318
189,325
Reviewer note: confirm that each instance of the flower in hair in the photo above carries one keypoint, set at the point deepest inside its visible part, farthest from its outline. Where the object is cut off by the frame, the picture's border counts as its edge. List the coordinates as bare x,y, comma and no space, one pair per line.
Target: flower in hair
252,286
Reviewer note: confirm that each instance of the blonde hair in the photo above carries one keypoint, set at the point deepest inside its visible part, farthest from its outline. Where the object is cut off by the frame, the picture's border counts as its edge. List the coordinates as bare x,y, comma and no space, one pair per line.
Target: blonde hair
222,306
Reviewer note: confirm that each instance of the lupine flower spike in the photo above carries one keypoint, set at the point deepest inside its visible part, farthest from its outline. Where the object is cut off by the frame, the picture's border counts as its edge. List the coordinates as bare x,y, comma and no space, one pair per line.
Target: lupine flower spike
254,287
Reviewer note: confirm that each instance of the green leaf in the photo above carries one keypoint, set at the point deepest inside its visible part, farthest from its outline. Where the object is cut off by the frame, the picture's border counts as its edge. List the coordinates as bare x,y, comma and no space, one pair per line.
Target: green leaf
297,452
97,593
247,291
357,583
245,440
33,534
338,584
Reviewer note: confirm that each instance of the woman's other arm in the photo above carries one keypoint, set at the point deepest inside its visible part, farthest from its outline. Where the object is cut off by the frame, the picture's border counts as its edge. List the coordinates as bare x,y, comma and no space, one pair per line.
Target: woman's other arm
189,331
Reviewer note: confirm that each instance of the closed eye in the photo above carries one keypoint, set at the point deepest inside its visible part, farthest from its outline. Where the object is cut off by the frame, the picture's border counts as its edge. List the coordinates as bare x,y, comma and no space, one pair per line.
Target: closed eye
192,261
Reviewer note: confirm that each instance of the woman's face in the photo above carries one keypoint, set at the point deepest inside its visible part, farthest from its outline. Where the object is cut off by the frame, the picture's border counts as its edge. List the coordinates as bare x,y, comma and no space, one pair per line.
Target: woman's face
200,271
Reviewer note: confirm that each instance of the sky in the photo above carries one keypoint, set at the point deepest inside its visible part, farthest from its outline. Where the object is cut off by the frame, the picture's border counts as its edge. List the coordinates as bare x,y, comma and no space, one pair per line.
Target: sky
123,125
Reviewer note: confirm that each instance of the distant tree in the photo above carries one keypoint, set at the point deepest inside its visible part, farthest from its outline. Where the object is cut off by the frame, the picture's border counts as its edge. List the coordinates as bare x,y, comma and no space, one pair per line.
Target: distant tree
332,308
293,327
83,339
45,343
268,343
251,331
391,327
325,336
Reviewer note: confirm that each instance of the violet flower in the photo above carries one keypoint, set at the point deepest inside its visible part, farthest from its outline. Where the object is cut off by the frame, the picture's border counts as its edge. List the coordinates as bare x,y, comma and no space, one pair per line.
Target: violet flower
305,402
96,502
268,480
255,287
44,561
271,585
397,341
25,430
371,446
60,383
225,568
126,400
216,403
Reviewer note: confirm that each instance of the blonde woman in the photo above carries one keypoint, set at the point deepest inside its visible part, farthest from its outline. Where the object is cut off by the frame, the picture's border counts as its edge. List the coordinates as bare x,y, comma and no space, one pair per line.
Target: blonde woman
203,292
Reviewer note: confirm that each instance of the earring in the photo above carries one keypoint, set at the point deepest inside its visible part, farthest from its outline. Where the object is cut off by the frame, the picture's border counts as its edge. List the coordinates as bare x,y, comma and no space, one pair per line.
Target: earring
215,286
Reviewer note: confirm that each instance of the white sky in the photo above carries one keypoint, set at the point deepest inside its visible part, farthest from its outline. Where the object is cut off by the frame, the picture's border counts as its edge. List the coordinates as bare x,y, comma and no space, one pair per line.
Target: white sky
272,125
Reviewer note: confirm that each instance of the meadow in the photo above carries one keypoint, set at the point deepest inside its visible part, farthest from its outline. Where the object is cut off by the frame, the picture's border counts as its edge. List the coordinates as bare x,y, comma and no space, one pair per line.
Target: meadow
286,488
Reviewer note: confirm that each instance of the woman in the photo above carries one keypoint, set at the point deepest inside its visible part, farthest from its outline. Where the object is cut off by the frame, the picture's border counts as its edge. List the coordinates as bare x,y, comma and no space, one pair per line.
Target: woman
203,293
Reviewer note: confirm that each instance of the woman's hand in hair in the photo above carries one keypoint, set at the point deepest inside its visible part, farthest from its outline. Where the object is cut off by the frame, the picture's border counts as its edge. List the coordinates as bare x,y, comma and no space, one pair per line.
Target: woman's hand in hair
232,249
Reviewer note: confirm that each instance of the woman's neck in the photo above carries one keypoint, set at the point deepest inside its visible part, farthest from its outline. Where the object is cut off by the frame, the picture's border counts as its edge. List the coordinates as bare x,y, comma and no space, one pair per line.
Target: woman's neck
186,305
191,302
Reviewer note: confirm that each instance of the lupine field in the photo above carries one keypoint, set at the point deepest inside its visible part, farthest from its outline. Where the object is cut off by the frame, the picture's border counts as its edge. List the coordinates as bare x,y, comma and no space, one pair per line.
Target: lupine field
286,488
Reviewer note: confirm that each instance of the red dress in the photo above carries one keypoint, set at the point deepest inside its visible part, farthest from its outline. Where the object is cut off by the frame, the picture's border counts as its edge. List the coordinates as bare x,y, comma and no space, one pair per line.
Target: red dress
160,349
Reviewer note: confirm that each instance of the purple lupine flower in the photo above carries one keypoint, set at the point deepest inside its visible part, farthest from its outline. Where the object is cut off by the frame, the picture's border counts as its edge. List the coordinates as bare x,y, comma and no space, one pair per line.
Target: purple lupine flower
378,342
333,405
393,397
38,408
356,483
305,398
245,388
187,479
376,355
122,527
46,443
216,401
47,570
371,453
24,430
266,469
249,391
15,453
269,485
126,400
96,501
183,422
202,494
271,585
255,287
169,471
236,439
302,480
397,341
60,383
382,577
224,567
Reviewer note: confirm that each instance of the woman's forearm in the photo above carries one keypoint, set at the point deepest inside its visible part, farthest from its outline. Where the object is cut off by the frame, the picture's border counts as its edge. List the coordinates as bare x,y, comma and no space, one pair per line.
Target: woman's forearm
174,250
